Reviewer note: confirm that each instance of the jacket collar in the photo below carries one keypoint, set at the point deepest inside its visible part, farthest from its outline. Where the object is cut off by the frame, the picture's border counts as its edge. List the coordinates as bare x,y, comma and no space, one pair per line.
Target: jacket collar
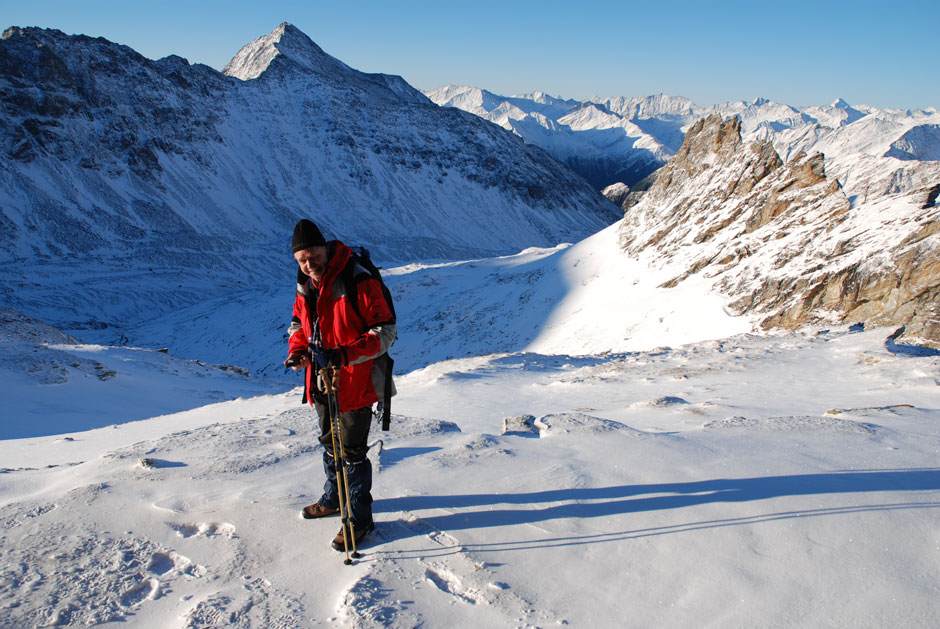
339,256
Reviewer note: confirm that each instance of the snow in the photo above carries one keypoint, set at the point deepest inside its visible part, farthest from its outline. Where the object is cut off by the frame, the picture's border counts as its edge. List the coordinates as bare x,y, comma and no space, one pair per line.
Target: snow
621,455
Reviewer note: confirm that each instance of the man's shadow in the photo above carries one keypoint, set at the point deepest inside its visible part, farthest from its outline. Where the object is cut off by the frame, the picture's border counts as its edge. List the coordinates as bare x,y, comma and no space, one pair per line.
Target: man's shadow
625,499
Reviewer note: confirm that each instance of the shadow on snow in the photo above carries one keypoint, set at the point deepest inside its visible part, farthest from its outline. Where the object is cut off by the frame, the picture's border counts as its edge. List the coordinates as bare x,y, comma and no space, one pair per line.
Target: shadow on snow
625,499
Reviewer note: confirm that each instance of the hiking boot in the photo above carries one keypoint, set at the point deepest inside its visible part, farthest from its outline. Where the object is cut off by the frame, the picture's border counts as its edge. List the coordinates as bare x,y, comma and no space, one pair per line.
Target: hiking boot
338,541
316,510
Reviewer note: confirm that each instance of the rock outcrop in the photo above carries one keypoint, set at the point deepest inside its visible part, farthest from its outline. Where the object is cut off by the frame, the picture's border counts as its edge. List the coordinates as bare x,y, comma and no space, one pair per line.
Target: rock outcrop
617,193
784,242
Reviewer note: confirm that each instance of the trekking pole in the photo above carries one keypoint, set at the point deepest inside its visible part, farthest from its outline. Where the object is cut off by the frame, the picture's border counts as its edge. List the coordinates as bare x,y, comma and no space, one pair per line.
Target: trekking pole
330,379
342,451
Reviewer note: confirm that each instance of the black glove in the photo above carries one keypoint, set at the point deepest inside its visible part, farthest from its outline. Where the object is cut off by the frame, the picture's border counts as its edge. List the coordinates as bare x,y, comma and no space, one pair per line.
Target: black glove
327,357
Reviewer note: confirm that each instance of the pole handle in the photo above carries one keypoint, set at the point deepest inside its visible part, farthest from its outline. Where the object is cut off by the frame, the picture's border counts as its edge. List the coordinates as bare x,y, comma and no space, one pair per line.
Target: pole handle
329,376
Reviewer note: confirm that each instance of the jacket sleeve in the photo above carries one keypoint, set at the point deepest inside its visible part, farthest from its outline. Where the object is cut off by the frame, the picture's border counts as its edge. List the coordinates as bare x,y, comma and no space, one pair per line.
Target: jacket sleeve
296,339
381,330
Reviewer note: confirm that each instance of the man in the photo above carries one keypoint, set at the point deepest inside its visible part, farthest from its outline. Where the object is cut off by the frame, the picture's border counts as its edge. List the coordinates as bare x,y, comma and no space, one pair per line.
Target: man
328,329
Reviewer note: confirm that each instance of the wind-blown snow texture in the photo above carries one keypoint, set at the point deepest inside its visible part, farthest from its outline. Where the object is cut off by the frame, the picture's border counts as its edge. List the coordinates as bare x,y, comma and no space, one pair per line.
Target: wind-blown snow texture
748,481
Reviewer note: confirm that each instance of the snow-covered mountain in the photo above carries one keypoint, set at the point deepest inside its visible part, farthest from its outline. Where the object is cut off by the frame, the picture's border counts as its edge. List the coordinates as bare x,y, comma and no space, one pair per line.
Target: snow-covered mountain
124,175
603,145
633,136
786,240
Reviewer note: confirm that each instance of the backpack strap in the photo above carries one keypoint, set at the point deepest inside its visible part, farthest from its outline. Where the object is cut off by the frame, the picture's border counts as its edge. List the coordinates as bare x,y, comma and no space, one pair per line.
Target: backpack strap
358,269
387,397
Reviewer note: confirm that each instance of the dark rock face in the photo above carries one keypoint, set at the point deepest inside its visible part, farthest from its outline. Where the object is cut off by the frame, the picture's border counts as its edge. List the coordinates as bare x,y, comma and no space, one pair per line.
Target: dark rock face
783,241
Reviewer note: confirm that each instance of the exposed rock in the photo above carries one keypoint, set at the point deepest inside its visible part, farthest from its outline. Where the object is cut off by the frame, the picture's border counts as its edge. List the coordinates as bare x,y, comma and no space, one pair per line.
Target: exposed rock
784,242
616,192
519,424
930,197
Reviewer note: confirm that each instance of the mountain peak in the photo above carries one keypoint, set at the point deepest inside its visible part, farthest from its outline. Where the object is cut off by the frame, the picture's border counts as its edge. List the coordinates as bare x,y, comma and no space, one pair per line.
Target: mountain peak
287,42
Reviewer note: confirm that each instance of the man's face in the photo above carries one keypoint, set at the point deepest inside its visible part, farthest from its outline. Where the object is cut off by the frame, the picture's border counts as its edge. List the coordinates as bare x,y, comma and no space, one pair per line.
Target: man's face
312,262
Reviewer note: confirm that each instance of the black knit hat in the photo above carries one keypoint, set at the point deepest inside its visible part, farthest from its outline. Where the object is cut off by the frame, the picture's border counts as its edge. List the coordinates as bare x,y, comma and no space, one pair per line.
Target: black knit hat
306,234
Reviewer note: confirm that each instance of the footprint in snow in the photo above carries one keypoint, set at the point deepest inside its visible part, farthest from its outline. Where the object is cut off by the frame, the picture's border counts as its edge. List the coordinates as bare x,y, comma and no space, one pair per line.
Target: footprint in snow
204,529
448,583
148,589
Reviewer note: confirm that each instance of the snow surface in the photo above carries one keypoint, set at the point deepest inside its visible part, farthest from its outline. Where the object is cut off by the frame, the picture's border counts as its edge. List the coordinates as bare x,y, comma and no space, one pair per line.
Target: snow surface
661,467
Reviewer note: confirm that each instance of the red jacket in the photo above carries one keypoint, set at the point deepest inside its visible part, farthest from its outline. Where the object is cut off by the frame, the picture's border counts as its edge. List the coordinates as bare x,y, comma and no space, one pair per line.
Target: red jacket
361,339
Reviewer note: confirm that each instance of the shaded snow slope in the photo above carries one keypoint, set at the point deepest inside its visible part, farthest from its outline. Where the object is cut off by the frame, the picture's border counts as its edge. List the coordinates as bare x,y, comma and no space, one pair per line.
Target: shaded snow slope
53,383
178,183
573,299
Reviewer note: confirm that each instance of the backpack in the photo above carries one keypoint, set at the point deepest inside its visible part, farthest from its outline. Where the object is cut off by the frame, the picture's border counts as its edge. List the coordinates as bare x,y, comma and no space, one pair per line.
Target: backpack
360,256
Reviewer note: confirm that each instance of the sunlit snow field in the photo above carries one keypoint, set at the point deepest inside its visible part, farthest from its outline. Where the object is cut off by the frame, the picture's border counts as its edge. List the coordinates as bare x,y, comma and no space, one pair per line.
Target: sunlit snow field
530,478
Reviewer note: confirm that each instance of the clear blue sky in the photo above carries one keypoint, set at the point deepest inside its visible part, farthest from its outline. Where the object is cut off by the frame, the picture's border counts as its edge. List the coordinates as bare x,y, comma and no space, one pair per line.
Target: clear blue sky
797,52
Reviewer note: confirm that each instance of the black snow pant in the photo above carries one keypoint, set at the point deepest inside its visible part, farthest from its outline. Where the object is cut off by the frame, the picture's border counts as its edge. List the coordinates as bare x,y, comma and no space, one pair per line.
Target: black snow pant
354,426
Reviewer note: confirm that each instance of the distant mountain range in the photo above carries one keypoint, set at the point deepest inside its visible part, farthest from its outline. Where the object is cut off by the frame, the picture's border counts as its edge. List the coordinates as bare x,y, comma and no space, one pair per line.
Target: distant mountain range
623,140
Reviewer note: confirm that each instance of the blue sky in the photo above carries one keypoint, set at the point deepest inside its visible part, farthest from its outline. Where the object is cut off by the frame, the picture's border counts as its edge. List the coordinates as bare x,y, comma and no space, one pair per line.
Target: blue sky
796,52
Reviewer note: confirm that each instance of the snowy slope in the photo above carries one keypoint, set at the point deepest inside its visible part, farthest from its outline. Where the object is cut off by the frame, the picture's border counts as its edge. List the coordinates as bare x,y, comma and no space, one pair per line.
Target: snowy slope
574,299
557,407
127,176
750,481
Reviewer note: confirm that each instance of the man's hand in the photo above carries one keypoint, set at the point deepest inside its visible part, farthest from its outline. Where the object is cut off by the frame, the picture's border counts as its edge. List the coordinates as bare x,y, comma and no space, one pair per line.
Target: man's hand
297,361
327,357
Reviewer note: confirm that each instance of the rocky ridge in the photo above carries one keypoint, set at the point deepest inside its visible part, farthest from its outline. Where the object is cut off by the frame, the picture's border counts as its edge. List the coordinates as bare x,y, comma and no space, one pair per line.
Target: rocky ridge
784,241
